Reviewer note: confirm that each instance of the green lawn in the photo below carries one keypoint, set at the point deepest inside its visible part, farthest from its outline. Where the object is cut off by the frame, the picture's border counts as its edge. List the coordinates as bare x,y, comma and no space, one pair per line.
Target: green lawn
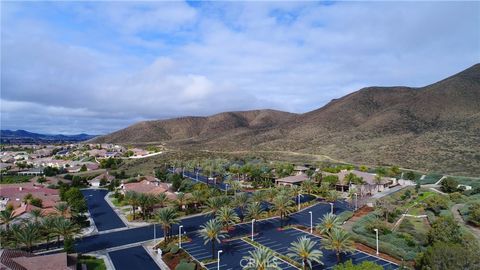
12,179
92,263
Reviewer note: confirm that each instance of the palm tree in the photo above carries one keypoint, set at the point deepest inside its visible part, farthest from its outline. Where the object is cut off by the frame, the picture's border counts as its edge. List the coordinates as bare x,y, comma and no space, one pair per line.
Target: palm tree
215,203
328,223
181,199
261,259
332,196
339,241
308,186
241,200
255,211
227,216
131,197
6,216
271,193
211,231
282,206
27,234
235,185
258,196
197,197
167,217
378,180
162,199
304,249
62,208
36,214
65,228
47,228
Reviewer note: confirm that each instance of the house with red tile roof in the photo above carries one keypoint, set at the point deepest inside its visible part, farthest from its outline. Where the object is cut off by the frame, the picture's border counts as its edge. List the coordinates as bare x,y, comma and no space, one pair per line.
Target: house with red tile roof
150,187
21,260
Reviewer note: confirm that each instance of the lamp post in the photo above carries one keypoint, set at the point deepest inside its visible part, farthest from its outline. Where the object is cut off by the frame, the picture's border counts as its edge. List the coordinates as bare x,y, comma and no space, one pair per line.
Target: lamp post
356,201
376,232
226,189
331,208
218,259
311,221
253,227
180,236
299,195
154,233
197,176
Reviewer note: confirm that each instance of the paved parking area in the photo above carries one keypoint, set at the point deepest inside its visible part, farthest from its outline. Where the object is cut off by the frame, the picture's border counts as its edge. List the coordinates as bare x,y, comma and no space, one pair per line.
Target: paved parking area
100,211
132,258
230,258
280,241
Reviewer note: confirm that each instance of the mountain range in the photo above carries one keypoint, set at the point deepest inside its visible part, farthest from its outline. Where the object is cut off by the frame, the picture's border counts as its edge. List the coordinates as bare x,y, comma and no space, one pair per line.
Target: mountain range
435,127
23,136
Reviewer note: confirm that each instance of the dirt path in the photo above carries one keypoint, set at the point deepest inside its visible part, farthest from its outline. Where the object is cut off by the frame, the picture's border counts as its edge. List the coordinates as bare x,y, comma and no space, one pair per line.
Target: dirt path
458,217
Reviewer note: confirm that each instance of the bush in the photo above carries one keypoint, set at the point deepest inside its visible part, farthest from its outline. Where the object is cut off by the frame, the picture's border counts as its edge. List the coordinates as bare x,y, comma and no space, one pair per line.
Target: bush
345,215
449,185
185,266
174,249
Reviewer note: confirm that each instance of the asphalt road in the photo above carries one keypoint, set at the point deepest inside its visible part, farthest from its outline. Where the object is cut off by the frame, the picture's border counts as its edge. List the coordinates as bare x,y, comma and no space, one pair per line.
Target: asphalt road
132,258
234,251
101,212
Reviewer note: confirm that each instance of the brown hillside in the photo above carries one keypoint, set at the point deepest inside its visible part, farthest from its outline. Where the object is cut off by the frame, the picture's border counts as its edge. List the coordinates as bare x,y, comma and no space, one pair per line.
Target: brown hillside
435,127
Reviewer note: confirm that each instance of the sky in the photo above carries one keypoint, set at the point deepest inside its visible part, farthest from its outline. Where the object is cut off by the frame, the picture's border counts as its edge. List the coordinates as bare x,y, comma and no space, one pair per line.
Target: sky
96,67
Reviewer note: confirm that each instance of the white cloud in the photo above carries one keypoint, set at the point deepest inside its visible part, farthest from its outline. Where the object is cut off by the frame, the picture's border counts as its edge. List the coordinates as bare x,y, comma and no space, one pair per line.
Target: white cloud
112,64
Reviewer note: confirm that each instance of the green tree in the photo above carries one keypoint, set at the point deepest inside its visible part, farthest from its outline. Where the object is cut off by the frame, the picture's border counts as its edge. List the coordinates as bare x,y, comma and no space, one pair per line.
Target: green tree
227,217
304,250
241,200
62,208
446,256
6,216
167,217
131,198
339,241
283,206
449,185
36,215
255,211
328,223
436,203
445,229
83,168
211,231
308,186
27,234
215,203
261,259
64,228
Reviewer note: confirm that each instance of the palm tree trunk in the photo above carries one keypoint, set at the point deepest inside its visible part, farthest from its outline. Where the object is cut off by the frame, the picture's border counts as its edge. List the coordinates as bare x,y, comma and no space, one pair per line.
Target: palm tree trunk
213,249
338,257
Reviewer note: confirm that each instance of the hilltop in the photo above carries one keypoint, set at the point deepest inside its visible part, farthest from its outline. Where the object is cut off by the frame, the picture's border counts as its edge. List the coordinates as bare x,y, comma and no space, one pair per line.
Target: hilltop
434,127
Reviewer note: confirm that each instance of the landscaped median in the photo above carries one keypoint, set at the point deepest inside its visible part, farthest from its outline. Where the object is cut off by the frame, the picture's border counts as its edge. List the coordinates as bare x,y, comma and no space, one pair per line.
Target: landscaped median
175,257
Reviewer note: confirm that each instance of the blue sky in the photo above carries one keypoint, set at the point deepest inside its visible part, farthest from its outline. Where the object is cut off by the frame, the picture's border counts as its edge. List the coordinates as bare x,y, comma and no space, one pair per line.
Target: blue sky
95,67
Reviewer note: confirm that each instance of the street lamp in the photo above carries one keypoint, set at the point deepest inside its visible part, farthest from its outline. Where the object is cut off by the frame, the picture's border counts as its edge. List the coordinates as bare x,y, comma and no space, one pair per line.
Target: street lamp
356,201
226,189
253,224
376,232
180,236
311,221
299,195
197,176
331,208
218,259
